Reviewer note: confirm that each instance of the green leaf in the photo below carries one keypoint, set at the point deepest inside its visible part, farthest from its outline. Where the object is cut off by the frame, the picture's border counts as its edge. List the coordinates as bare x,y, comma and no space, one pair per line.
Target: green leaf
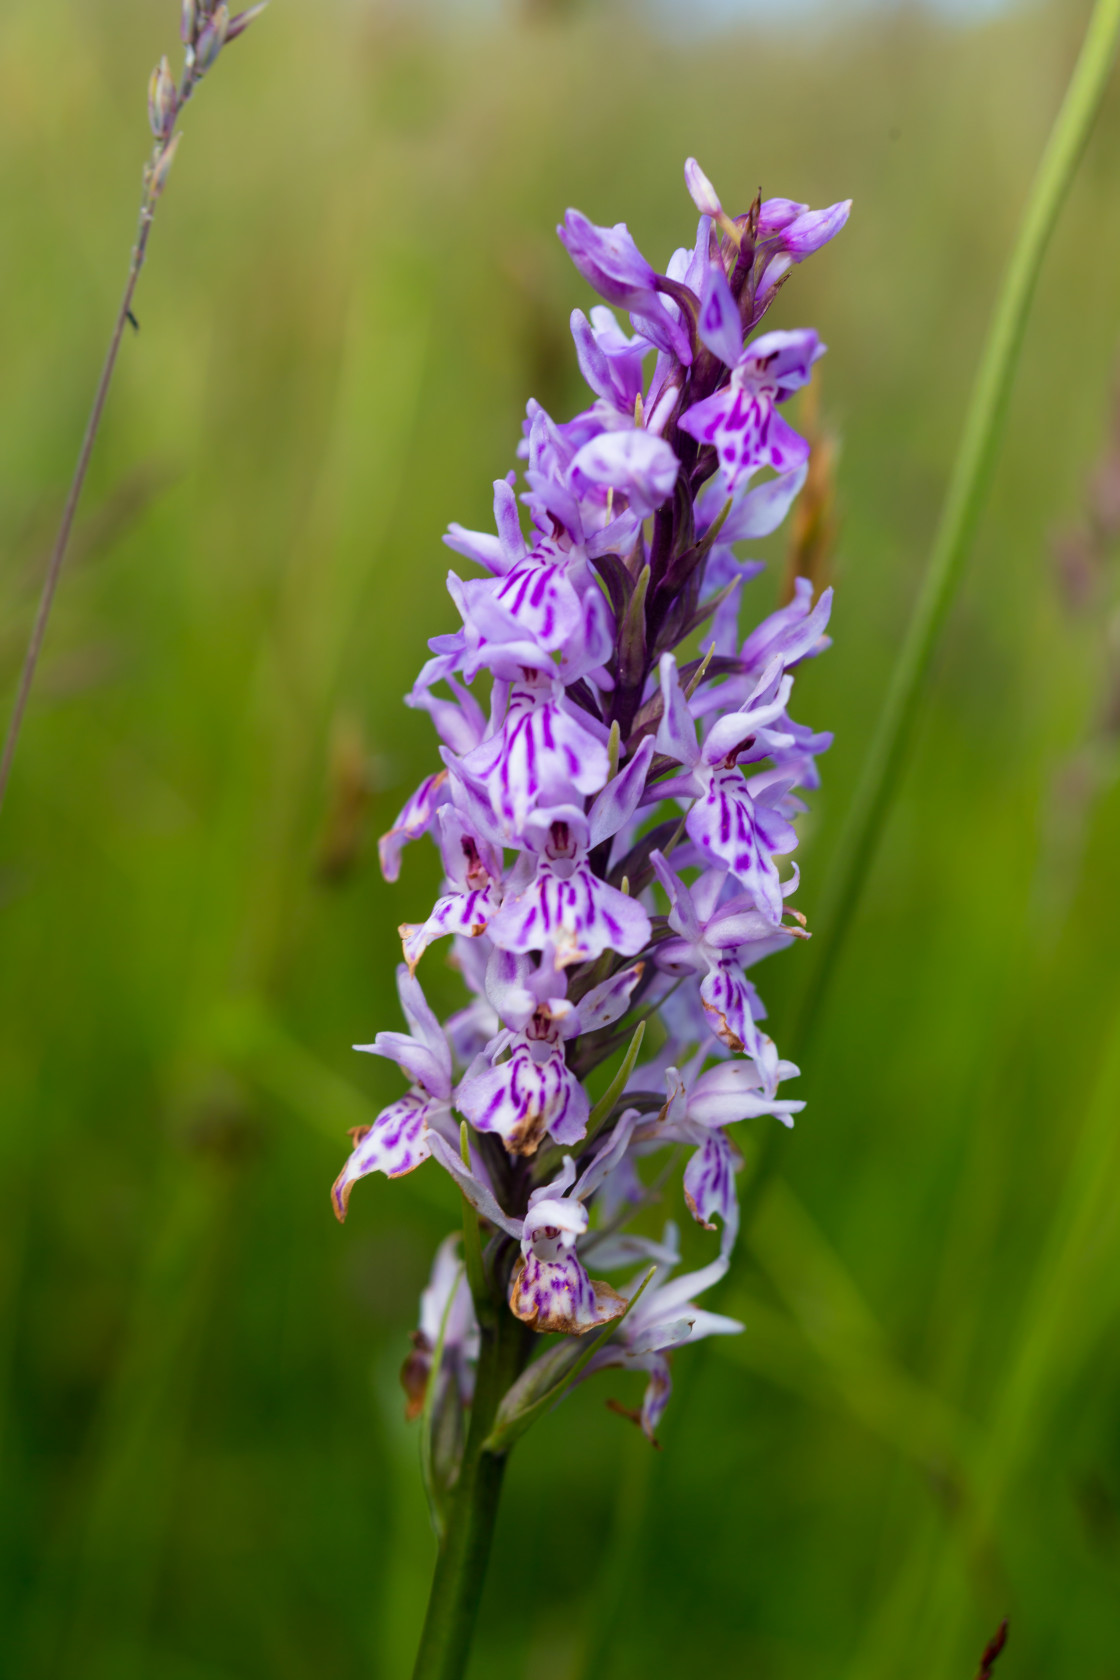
965,500
472,1247
614,1090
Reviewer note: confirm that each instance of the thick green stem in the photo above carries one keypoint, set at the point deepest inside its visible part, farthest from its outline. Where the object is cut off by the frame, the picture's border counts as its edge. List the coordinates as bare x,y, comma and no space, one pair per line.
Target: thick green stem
968,492
461,1566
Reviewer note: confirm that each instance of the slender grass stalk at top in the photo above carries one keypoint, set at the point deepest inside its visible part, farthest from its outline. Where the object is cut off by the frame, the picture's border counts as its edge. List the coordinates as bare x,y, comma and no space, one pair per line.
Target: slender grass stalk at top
964,503
206,28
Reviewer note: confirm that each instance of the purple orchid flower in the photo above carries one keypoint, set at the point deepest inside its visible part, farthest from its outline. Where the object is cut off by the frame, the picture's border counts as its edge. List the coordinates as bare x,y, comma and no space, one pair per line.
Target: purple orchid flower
398,1140
735,823
610,362
566,907
529,1089
698,1111
611,262
718,940
550,1289
544,752
611,824
474,877
664,1318
741,420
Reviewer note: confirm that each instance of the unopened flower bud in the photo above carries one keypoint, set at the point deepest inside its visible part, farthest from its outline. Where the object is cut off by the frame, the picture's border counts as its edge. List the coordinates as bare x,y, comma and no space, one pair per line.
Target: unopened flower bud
701,191
188,22
241,22
162,100
212,39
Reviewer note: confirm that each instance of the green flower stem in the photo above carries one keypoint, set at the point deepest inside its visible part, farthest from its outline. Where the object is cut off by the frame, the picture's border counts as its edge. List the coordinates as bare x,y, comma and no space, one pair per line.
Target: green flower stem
968,491
463,1555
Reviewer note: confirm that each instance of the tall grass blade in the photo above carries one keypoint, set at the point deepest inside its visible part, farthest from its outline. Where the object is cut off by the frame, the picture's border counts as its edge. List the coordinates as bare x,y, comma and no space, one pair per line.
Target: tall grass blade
971,480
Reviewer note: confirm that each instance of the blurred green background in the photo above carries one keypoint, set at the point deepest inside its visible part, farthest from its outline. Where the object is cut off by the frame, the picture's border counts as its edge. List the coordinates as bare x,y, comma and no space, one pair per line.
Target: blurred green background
353,287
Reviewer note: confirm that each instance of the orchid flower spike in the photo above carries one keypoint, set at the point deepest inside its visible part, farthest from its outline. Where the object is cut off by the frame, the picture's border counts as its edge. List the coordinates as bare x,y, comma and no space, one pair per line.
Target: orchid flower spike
616,821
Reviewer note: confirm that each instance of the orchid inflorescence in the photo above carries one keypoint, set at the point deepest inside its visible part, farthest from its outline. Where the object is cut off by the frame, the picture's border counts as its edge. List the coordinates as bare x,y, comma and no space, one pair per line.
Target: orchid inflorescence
611,821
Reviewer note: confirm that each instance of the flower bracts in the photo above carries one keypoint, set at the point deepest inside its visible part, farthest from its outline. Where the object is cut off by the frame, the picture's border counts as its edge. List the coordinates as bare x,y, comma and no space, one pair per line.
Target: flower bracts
614,815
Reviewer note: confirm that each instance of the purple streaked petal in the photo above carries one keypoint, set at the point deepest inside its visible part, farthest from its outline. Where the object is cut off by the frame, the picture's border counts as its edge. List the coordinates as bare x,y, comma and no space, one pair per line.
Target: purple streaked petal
537,599
558,1295
733,1092
709,1182
747,431
720,325
676,733
727,828
605,1003
540,756
730,1002
575,913
781,361
525,1097
414,820
467,913
614,807
397,1143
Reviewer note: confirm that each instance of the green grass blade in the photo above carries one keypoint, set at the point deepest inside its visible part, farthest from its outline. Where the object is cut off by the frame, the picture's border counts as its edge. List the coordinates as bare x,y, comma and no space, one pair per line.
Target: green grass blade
435,1503
472,1247
971,479
617,1085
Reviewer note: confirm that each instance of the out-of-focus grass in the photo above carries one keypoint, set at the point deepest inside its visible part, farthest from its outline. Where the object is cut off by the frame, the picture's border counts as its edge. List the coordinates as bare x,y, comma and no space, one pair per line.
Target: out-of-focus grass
353,287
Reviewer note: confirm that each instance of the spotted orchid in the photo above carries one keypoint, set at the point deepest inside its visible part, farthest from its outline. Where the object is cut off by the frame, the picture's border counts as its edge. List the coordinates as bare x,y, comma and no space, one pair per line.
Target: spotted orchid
620,783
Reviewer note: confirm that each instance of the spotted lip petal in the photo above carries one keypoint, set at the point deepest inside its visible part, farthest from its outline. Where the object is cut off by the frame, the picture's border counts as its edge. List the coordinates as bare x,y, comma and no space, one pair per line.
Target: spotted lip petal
541,755
550,1290
558,1295
531,1093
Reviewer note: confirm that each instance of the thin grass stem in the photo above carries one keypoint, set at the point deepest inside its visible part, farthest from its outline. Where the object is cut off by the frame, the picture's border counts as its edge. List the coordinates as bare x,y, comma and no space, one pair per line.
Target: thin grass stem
77,484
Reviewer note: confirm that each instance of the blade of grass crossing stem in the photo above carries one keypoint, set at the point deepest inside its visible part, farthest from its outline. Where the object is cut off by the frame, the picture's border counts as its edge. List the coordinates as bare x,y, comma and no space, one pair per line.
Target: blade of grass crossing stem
971,479
435,1505
617,1085
472,1246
